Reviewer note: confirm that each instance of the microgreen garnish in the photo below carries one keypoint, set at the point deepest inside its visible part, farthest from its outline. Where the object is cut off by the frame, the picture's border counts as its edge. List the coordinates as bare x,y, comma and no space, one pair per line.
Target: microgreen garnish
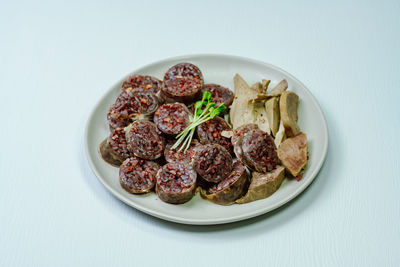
200,116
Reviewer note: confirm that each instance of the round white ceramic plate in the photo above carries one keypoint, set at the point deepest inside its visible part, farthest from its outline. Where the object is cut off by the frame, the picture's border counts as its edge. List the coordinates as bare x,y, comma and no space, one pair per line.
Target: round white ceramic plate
216,69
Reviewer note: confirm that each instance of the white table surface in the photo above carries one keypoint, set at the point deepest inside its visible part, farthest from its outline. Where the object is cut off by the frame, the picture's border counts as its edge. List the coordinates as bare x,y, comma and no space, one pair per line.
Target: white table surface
57,58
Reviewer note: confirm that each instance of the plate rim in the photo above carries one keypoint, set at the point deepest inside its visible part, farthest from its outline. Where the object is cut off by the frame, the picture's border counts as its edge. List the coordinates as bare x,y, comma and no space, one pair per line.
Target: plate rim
230,219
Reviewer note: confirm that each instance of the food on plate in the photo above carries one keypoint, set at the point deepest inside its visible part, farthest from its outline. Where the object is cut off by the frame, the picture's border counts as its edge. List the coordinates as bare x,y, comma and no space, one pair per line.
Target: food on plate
259,115
227,133
240,113
237,138
104,151
212,162
257,87
138,176
230,188
210,132
145,140
259,151
280,134
288,108
131,105
279,88
241,131
118,145
204,136
145,82
182,82
273,114
245,109
261,87
219,94
176,183
293,153
172,118
184,156
263,185
276,91
265,84
204,110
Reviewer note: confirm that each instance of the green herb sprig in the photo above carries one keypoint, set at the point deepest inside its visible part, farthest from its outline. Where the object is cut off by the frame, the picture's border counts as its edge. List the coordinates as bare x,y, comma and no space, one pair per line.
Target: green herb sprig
200,116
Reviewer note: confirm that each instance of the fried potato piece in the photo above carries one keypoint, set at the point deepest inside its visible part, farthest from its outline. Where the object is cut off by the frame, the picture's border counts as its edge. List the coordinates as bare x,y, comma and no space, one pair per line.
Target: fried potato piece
293,153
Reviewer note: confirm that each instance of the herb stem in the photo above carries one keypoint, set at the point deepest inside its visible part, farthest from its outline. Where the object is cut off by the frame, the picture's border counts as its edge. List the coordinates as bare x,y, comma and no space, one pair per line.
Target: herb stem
200,116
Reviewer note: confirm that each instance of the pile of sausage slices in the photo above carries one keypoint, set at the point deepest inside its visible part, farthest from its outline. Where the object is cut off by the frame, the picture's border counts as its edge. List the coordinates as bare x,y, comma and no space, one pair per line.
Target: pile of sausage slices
239,156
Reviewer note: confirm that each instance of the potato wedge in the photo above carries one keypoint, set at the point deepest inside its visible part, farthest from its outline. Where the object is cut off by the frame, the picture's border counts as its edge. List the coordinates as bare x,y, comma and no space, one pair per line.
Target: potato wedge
288,109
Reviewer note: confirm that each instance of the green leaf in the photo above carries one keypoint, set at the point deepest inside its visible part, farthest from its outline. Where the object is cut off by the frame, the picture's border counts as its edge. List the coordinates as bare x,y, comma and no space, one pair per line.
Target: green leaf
221,108
198,105
215,112
207,96
201,116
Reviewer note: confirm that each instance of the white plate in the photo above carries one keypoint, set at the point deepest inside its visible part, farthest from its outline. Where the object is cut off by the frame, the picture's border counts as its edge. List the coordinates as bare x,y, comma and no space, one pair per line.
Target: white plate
216,69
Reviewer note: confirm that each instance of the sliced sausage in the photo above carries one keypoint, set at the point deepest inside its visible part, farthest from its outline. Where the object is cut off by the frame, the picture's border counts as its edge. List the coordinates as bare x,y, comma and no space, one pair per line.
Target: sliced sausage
138,176
212,162
230,188
131,104
176,183
104,151
259,151
237,138
118,145
145,140
240,131
184,156
145,82
219,94
210,131
172,119
182,82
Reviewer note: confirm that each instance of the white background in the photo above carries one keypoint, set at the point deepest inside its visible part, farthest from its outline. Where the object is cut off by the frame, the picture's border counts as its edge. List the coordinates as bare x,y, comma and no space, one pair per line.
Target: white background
57,58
